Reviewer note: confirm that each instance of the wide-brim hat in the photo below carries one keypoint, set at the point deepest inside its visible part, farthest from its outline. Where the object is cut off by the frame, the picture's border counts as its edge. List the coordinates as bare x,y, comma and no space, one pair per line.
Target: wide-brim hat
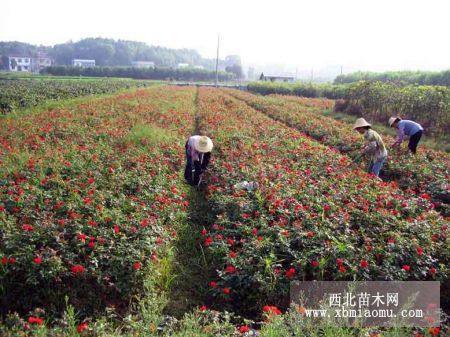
204,144
360,123
392,120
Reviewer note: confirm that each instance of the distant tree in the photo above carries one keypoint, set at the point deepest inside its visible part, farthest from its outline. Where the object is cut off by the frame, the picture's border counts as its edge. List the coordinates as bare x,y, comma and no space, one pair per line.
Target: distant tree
110,52
13,64
63,53
233,60
18,48
4,62
188,74
123,53
261,77
235,69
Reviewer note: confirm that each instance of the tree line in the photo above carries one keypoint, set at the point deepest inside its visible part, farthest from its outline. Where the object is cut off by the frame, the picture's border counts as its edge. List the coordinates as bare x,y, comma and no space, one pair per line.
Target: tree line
399,77
184,74
108,52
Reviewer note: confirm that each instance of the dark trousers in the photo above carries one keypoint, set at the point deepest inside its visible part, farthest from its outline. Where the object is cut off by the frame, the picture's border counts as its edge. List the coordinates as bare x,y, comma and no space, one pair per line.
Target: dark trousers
413,141
192,171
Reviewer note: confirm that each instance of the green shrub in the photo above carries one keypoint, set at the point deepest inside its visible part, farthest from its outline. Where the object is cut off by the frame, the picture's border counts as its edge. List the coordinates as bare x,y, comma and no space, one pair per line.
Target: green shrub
428,105
188,74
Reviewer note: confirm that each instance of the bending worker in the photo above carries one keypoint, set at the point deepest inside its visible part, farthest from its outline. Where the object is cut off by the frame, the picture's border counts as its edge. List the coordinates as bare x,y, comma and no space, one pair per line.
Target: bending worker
406,128
198,154
374,145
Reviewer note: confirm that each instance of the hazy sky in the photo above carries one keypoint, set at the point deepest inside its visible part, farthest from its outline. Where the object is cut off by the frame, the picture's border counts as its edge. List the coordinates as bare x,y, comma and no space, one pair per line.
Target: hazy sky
376,34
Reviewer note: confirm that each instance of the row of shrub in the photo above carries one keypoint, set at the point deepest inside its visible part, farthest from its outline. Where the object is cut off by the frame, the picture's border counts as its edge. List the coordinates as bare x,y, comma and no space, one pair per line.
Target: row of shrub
18,93
313,216
299,89
87,201
429,105
401,77
426,173
97,200
187,74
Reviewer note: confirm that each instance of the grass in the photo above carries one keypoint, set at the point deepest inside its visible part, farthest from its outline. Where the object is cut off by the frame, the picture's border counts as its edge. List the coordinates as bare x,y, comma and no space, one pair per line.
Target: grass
149,135
191,266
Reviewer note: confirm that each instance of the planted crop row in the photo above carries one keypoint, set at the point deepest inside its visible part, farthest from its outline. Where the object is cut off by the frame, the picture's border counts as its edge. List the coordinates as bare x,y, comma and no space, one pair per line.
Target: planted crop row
426,174
314,215
88,198
23,93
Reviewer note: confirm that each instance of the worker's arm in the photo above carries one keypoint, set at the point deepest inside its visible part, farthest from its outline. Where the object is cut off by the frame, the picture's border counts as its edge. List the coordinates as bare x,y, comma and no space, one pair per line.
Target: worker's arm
189,148
370,147
371,144
400,136
205,162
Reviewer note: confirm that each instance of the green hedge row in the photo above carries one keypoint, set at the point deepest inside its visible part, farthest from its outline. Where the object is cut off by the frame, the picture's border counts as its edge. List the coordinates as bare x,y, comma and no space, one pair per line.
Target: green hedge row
188,74
405,77
429,105
299,89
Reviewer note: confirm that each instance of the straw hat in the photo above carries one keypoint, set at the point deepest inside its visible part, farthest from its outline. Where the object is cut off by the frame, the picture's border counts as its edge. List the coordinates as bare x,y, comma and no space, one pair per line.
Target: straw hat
360,123
392,120
204,144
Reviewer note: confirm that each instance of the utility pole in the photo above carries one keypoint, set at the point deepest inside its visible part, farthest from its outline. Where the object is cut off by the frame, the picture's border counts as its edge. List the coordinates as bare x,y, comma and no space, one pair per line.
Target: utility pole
217,61
341,70
312,74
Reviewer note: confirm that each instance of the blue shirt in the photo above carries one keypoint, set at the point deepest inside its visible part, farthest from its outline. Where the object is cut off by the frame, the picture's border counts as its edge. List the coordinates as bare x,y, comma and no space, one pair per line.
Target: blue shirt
407,128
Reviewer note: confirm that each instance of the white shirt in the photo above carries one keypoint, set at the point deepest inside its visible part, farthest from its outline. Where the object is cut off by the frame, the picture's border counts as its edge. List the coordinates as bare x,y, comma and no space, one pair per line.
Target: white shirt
195,155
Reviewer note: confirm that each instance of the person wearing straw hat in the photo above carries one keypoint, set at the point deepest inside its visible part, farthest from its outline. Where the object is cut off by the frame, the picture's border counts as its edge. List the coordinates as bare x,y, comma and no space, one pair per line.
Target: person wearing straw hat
198,154
406,128
374,145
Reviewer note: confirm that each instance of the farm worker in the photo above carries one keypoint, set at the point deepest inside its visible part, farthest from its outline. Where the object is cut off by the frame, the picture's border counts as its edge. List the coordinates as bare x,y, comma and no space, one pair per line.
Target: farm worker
198,153
374,144
406,128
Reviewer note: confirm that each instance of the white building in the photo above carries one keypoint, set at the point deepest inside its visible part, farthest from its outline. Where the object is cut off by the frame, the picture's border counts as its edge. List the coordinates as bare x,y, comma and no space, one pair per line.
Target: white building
19,63
39,63
199,67
83,63
143,64
276,78
183,65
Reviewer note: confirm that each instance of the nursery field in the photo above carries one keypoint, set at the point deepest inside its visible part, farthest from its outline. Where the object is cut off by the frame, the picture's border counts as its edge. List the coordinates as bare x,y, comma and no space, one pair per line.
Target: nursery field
429,105
18,93
100,235
425,175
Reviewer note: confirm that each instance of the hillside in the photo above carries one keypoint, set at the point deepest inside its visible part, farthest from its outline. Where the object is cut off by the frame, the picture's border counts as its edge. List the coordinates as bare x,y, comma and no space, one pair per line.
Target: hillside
108,52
